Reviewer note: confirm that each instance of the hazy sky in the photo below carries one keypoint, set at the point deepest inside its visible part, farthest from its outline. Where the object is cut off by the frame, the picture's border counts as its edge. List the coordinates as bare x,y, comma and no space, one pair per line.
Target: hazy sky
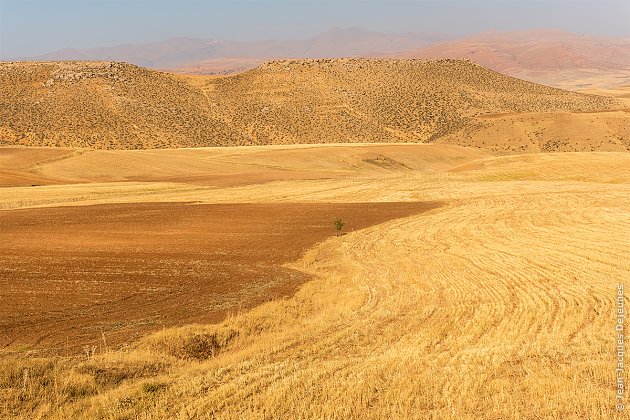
29,27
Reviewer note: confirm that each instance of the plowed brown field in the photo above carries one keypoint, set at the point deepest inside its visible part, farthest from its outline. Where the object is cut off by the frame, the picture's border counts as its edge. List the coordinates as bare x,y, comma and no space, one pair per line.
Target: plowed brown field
68,275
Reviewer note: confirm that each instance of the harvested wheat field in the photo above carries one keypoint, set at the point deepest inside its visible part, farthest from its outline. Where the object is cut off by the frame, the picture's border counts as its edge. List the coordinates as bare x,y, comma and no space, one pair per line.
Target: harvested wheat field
467,285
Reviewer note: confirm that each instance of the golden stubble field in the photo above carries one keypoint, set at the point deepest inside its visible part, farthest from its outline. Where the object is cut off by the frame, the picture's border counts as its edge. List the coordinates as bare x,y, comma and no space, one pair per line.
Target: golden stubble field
498,303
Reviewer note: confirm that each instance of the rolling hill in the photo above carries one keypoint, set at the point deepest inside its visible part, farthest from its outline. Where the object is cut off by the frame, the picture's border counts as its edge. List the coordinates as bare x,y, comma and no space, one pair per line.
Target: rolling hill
121,106
103,105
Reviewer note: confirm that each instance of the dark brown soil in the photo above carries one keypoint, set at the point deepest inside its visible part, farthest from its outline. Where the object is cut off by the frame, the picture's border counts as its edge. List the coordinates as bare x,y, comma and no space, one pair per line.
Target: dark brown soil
70,274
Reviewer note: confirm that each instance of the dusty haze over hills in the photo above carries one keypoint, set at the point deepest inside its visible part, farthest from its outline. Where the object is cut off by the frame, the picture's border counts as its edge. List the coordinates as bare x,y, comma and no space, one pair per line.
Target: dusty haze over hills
190,53
550,57
88,24
545,56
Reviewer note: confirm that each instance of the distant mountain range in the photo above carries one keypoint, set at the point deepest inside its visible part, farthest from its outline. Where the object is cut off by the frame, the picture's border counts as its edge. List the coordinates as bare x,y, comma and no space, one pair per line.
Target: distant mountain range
546,56
187,53
551,57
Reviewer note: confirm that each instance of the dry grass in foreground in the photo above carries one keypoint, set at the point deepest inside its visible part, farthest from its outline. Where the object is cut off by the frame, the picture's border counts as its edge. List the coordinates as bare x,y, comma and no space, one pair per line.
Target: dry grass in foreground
500,304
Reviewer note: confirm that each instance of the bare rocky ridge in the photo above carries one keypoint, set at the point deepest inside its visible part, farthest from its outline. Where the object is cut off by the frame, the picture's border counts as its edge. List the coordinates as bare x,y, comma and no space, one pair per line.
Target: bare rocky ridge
122,106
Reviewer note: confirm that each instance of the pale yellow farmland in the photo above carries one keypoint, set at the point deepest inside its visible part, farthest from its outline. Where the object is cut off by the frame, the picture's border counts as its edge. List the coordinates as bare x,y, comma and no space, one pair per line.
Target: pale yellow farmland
499,302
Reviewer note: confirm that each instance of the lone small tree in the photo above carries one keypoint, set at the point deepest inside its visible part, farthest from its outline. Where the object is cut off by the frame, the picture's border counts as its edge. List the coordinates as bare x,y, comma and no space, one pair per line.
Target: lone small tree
339,225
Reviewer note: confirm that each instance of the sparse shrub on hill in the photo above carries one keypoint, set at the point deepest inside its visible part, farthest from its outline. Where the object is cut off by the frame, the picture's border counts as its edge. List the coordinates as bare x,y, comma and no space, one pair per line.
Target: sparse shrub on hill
103,105
338,225
121,106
